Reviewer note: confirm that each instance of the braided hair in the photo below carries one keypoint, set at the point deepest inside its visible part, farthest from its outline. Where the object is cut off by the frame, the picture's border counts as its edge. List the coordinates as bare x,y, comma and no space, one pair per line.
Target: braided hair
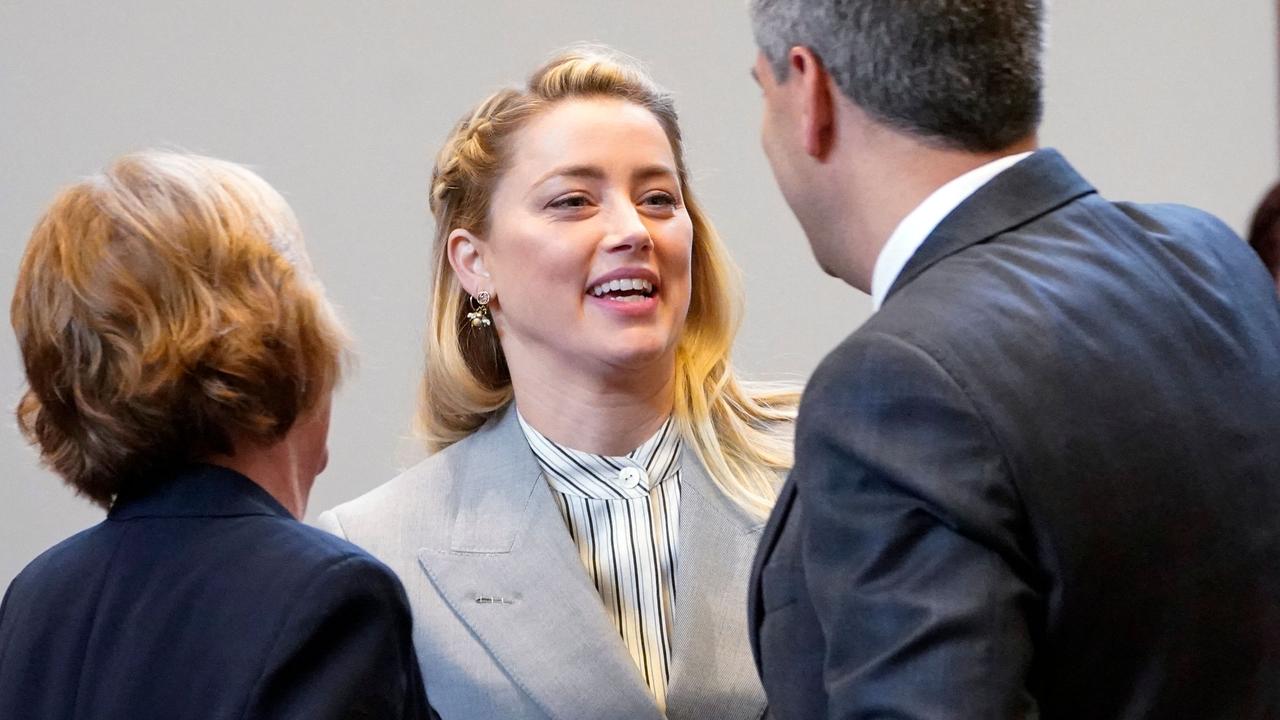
742,434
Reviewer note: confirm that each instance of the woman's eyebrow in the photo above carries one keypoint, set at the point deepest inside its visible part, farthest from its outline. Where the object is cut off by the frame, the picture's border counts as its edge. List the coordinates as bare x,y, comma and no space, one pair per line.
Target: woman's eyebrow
589,172
593,172
651,171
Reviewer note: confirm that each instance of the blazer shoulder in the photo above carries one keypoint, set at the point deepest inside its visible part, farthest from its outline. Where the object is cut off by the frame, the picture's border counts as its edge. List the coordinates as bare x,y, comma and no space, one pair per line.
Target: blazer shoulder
68,562
1193,228
1171,218
357,571
883,351
327,549
289,553
418,499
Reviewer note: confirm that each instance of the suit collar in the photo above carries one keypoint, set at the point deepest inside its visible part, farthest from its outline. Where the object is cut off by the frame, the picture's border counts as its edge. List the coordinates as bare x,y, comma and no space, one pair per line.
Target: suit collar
511,572
497,476
1037,185
198,490
768,539
502,474
713,499
916,227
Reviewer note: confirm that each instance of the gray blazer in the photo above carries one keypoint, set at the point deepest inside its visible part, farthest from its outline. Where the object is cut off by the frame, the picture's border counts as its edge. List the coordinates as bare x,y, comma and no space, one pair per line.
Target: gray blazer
506,622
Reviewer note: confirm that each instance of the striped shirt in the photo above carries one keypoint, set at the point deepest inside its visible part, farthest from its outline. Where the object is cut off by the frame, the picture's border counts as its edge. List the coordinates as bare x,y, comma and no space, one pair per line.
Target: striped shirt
623,514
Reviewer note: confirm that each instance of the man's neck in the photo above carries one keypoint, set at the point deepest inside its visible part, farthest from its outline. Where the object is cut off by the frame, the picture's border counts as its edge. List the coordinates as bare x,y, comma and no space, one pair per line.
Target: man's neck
884,185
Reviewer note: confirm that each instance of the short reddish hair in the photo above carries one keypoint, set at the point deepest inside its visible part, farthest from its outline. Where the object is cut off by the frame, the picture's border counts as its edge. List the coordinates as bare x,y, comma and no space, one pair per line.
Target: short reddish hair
1264,232
162,308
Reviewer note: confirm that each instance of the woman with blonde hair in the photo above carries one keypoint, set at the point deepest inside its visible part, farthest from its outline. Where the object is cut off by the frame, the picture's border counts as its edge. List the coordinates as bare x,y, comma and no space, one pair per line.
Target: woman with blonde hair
579,543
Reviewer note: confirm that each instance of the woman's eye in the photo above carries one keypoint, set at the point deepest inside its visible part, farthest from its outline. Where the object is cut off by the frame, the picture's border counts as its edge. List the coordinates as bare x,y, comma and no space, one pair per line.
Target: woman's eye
659,199
570,201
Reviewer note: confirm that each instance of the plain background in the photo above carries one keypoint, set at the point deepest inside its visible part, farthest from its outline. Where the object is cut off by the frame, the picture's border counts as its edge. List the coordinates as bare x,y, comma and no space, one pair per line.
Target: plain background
341,105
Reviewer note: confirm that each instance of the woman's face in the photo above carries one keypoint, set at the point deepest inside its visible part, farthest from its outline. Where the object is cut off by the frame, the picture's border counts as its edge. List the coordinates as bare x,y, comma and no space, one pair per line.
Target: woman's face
589,242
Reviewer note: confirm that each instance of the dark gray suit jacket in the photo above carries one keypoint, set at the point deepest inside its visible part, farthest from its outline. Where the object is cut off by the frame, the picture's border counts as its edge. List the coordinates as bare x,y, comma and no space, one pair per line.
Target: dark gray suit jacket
1044,476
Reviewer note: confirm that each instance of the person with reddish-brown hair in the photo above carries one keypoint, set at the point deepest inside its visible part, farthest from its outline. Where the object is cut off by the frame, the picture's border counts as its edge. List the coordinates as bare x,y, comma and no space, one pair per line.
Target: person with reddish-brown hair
180,357
1264,232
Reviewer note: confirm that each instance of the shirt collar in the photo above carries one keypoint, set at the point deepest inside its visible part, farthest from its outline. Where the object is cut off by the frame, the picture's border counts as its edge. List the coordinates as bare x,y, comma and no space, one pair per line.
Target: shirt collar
603,477
920,222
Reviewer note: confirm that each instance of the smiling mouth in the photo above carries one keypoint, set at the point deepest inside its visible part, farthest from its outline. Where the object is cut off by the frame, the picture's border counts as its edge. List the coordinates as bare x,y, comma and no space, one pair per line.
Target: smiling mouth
623,290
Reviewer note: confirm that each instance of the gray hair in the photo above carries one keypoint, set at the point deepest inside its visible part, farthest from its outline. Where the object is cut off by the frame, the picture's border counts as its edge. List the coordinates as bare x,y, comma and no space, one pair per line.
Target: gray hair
962,74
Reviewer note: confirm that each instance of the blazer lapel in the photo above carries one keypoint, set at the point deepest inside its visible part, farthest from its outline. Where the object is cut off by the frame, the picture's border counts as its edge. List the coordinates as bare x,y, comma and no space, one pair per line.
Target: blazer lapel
1037,185
769,538
512,574
712,673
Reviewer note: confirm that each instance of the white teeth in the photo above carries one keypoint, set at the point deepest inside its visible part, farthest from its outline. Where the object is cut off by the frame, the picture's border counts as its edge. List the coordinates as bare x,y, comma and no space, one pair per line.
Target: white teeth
623,284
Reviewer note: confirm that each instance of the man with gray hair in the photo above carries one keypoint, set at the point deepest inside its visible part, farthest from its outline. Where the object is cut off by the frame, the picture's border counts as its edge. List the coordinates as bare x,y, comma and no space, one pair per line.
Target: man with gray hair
1042,479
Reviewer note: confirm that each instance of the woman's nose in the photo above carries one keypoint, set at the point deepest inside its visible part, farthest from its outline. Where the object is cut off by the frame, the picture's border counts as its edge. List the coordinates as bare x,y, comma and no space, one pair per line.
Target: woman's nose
627,231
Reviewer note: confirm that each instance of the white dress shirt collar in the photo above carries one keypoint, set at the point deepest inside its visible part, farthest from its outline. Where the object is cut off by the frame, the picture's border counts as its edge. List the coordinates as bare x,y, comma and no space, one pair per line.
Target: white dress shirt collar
585,474
916,227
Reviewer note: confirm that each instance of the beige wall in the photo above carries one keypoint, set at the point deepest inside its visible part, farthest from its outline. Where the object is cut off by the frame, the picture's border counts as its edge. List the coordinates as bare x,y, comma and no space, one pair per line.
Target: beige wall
341,105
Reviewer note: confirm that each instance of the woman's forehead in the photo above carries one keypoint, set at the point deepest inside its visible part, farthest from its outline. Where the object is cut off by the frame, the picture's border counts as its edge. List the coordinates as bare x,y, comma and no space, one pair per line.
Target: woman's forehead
601,132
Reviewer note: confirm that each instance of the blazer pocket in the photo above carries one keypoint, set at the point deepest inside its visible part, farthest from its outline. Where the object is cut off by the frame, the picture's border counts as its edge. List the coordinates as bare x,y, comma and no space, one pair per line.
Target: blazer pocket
780,584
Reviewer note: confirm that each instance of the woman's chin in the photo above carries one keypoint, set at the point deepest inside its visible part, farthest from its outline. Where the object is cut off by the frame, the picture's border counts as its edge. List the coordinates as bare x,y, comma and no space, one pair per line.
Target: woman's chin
638,357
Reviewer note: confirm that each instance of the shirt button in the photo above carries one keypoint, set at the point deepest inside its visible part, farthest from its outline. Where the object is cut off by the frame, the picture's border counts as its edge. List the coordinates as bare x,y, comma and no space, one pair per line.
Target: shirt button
630,477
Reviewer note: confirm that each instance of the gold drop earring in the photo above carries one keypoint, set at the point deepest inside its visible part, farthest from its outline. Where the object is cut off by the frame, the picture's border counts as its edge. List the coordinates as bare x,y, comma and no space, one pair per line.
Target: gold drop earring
479,315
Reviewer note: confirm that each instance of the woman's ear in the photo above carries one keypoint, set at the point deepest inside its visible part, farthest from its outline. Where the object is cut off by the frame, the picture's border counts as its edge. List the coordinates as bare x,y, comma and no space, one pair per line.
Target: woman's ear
466,255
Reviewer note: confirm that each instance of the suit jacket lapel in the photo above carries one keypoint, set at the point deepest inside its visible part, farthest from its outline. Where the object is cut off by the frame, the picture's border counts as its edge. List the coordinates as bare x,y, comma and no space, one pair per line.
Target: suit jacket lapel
712,675
768,539
512,574
1037,185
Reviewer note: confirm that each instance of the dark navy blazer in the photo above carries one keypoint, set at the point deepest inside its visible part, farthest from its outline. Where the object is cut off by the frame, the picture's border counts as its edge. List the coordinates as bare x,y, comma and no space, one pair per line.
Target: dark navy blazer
204,598
1045,476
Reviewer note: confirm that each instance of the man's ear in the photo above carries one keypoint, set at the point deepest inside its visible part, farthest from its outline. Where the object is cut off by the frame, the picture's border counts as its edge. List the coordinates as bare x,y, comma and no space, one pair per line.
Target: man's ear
817,119
466,255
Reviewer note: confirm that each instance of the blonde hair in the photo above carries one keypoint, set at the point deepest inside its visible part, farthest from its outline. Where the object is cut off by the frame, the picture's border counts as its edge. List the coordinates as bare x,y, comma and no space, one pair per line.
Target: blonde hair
742,435
163,307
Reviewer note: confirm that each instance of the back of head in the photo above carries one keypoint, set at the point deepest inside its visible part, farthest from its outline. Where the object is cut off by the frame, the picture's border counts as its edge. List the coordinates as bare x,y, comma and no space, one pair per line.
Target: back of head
1264,231
959,74
163,308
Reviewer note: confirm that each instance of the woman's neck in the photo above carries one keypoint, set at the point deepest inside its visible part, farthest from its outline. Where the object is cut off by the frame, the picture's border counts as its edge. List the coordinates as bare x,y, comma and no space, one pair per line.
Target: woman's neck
605,415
